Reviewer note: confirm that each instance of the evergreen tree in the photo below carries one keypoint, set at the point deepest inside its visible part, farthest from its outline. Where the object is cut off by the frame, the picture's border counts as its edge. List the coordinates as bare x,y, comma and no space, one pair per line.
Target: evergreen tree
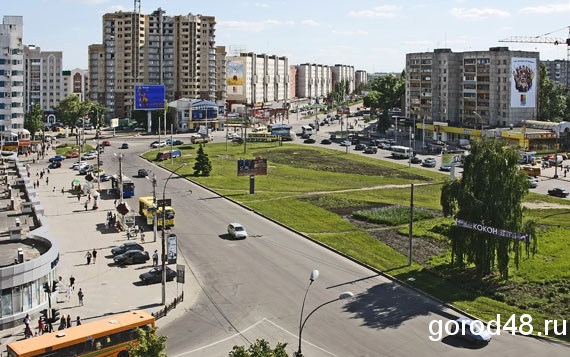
260,348
490,193
149,344
203,166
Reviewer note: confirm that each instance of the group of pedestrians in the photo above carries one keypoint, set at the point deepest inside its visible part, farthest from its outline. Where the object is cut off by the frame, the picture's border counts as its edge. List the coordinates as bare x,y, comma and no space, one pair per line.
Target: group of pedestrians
111,220
91,255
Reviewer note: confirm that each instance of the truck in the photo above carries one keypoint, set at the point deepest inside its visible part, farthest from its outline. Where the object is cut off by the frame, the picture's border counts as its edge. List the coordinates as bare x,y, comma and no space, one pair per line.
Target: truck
199,139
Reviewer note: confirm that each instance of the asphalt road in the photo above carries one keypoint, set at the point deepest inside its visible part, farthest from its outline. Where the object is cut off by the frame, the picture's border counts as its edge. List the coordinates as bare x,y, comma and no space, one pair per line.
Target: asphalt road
253,289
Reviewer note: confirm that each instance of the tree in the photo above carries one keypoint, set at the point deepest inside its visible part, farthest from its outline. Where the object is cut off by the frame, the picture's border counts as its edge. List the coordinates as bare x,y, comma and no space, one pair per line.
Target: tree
69,110
490,193
149,344
96,113
34,120
260,348
203,165
386,93
552,102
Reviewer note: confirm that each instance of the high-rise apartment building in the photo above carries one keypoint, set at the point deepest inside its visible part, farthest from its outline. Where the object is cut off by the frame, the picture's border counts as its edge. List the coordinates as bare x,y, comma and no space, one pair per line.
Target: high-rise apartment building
495,88
175,51
341,72
558,71
43,78
75,82
11,78
313,81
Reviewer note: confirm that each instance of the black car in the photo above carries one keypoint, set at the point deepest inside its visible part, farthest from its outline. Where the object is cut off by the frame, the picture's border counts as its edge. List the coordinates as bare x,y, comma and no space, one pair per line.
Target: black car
131,257
124,146
142,173
415,160
326,142
309,141
371,150
54,165
126,247
154,275
558,192
360,147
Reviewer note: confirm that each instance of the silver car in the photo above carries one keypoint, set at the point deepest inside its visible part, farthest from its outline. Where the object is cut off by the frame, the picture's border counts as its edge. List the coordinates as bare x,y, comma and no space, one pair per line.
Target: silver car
237,231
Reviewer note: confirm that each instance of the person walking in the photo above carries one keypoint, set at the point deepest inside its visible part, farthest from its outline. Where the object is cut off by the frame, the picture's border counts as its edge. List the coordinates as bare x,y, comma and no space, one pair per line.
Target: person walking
86,205
94,254
62,190
155,258
78,196
69,292
78,321
88,256
68,321
72,281
80,296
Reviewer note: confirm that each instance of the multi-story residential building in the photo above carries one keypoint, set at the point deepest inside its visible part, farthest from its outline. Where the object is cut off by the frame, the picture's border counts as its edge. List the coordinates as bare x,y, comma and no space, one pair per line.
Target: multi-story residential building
221,70
43,78
75,82
558,71
12,79
474,89
255,80
360,79
341,72
175,51
313,81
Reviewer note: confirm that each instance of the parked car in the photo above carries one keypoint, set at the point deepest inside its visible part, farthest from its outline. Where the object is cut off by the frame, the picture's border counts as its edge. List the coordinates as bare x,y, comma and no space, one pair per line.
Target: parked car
132,257
429,162
124,146
532,182
78,164
332,137
54,165
174,142
158,144
415,160
72,155
558,192
473,332
371,150
237,231
57,158
154,275
106,143
125,247
142,173
104,177
345,143
85,169
354,141
360,147
88,156
326,142
309,141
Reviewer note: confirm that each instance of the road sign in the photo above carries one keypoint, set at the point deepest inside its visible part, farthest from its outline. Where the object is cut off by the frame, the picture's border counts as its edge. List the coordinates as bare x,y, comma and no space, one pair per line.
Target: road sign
180,271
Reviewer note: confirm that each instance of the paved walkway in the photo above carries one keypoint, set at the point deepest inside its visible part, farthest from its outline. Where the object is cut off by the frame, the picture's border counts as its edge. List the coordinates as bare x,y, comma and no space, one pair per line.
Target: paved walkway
108,289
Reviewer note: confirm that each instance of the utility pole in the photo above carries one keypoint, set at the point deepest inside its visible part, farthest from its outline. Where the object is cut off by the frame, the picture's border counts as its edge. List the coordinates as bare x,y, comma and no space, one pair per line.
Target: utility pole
155,208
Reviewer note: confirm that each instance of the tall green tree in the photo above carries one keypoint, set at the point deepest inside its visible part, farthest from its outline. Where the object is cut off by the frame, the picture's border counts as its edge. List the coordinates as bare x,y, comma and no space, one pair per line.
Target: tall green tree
96,113
260,348
552,101
34,120
386,93
489,192
149,344
203,165
69,110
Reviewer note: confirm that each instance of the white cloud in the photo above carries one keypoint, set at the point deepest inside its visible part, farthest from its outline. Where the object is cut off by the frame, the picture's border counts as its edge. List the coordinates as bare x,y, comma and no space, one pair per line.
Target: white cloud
478,14
310,22
255,26
378,11
260,4
350,33
546,9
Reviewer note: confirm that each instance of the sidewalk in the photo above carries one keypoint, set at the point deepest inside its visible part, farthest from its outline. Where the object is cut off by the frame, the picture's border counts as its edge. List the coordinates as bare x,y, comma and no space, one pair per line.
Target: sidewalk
108,289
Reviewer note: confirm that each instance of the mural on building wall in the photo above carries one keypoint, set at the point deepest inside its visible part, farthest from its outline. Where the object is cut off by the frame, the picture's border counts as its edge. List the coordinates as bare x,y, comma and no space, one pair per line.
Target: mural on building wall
523,83
235,78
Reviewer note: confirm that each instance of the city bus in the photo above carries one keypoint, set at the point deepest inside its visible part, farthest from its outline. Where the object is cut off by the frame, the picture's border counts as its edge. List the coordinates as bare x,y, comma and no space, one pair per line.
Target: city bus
146,209
262,136
109,336
128,186
401,152
282,130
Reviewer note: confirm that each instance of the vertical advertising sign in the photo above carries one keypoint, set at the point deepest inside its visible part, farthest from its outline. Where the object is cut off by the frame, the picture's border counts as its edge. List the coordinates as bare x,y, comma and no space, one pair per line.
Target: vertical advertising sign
172,249
523,82
235,78
149,97
246,167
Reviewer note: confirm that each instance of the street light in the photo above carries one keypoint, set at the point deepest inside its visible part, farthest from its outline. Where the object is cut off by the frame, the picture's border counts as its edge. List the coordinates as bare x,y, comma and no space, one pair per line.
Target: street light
345,295
154,206
163,238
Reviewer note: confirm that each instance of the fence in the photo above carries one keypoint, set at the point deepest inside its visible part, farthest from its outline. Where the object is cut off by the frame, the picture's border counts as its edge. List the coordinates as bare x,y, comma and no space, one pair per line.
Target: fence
163,312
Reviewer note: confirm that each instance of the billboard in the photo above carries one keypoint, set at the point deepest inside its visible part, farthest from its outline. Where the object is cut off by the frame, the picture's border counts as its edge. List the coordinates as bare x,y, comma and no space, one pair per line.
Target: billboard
235,78
172,245
247,167
149,97
523,82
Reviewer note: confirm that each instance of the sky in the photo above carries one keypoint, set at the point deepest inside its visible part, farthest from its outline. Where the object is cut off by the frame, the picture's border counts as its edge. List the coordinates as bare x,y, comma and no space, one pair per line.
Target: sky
371,35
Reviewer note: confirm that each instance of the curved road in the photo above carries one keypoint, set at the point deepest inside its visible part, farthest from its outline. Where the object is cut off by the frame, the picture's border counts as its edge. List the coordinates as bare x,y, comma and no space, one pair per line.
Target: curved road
253,289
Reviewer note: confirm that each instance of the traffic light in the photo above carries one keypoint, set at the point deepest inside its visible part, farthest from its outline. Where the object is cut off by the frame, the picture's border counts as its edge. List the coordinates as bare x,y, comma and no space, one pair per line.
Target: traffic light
44,314
46,287
54,285
54,315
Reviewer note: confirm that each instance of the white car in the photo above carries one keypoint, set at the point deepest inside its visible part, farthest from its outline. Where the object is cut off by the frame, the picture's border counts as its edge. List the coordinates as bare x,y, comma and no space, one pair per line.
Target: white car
88,156
237,231
159,144
77,165
232,135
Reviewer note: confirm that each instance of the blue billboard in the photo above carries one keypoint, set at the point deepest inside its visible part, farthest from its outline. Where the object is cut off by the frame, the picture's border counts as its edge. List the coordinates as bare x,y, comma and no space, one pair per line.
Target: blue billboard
149,97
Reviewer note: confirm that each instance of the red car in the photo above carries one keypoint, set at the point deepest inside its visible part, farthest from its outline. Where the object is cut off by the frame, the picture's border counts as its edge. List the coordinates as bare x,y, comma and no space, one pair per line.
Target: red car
106,143
72,155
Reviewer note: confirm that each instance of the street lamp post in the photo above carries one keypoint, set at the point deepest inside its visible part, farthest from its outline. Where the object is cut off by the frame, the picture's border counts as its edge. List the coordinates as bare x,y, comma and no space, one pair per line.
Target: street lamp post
345,295
154,207
163,233
120,157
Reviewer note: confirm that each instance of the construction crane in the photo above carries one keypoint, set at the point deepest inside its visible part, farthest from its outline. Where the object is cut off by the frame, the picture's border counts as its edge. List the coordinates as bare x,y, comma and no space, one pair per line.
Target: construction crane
542,39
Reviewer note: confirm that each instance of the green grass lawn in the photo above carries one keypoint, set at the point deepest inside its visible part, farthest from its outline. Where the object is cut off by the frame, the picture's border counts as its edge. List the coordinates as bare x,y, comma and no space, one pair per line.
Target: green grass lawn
312,189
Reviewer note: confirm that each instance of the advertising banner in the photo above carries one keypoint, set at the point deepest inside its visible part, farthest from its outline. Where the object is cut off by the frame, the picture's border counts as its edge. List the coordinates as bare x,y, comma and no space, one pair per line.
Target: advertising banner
180,272
172,249
491,230
149,97
235,78
523,82
247,167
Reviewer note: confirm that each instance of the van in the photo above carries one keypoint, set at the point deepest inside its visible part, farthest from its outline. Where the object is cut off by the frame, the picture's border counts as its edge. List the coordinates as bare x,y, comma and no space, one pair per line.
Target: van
165,155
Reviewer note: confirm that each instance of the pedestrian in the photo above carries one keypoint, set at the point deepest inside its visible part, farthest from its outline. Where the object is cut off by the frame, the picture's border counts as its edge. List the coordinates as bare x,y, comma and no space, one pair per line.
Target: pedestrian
62,190
69,292
53,189
86,204
34,185
28,332
38,183
47,181
68,321
142,235
78,321
40,325
27,320
88,256
94,255
72,281
80,296
62,323
78,196
155,258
